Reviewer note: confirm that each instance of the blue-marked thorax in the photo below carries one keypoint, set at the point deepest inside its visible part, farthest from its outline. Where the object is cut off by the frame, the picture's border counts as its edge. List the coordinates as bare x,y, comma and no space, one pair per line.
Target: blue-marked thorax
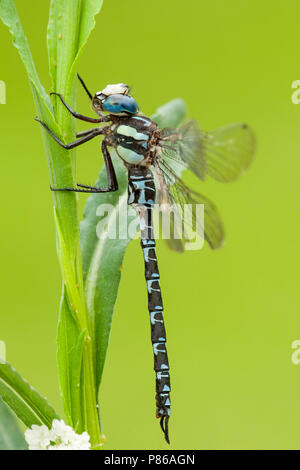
120,104
132,136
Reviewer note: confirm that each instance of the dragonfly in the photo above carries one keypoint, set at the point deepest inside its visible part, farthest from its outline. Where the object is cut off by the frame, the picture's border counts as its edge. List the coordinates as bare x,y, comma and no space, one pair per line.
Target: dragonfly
155,159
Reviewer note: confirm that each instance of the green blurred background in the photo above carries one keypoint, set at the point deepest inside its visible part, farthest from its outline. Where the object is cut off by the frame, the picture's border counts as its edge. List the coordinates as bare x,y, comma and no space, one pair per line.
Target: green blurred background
231,315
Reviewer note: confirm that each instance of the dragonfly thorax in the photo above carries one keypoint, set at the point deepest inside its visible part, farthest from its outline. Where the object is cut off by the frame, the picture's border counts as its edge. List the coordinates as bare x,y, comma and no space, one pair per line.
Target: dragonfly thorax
135,140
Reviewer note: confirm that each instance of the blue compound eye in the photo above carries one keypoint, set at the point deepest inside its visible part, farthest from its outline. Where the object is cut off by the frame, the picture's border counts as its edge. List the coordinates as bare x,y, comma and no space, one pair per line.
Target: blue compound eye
118,104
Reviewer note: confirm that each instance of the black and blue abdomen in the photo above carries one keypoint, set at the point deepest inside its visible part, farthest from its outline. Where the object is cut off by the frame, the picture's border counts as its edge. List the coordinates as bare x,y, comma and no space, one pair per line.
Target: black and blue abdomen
132,139
141,195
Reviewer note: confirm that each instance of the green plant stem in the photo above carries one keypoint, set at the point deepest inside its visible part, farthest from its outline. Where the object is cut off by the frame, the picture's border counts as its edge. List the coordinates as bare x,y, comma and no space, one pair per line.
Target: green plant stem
90,395
70,24
73,279
91,407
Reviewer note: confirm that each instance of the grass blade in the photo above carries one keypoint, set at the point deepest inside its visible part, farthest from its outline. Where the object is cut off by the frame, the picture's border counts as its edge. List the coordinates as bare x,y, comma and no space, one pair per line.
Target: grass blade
11,437
69,357
102,261
170,114
89,9
23,399
70,24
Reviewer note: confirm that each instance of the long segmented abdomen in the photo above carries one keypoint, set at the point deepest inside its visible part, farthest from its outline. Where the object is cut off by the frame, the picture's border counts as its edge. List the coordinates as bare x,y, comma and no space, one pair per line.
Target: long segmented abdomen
141,195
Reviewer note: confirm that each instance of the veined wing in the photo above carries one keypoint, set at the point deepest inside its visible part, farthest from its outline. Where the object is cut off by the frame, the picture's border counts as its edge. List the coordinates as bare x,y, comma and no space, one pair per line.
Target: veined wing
224,154
174,194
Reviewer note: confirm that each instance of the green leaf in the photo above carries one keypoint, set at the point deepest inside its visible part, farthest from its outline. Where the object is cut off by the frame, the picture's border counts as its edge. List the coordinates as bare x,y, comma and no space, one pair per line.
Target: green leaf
102,260
70,24
69,27
11,437
103,257
170,114
59,161
24,400
69,356
89,9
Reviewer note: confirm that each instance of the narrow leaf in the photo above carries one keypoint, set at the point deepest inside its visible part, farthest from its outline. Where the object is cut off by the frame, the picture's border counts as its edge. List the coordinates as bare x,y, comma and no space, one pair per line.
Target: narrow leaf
11,437
103,256
170,114
23,399
89,9
59,161
52,40
69,357
69,27
62,38
102,259
70,24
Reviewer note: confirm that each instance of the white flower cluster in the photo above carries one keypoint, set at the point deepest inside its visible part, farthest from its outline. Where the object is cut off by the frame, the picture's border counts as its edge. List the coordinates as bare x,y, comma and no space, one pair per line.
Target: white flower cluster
59,437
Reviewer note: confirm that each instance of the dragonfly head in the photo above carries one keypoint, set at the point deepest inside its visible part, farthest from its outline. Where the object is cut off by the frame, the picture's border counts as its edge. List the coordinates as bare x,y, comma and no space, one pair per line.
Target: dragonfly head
115,99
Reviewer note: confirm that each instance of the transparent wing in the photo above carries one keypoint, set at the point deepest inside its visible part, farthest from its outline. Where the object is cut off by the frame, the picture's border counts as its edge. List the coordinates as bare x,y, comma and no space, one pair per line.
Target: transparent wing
224,154
174,194
183,148
229,151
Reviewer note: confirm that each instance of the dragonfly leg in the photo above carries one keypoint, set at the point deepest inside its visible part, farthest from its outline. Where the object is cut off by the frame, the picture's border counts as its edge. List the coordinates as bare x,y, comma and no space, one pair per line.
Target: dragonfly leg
93,133
88,131
111,176
110,171
81,116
